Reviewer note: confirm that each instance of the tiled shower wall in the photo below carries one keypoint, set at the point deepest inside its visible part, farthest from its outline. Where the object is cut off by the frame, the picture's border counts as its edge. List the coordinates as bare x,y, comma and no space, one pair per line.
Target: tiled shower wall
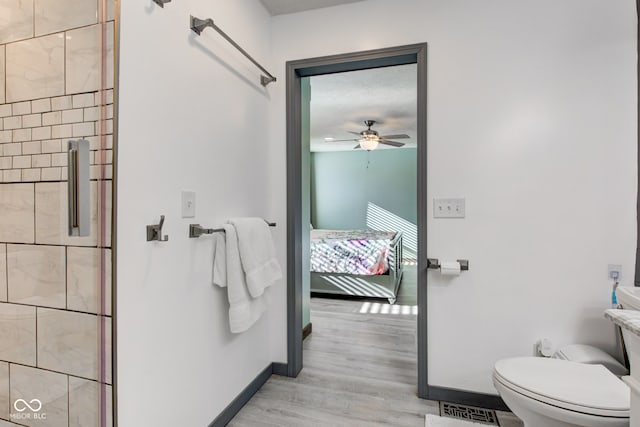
51,304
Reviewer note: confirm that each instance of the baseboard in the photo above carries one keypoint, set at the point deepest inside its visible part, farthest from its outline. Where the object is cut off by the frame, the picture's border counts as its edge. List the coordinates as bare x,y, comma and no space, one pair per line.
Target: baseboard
480,400
281,369
306,331
245,395
451,395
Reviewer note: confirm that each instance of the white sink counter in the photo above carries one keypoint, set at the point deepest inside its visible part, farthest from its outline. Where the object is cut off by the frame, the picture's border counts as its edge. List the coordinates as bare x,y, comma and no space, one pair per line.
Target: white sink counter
629,322
627,319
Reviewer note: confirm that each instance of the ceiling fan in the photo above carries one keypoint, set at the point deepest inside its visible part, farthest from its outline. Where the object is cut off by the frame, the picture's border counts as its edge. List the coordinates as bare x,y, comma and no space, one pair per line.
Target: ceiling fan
369,138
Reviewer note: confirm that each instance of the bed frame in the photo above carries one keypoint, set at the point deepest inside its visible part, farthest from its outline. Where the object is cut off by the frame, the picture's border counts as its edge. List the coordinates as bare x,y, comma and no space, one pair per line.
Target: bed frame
374,286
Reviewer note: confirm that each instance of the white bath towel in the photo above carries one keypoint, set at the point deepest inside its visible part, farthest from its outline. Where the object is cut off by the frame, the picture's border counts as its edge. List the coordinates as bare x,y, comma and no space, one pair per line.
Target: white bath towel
244,310
257,254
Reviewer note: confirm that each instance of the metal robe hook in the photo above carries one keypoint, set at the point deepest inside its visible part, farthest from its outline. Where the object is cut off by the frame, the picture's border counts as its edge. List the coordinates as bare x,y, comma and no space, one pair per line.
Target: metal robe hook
154,232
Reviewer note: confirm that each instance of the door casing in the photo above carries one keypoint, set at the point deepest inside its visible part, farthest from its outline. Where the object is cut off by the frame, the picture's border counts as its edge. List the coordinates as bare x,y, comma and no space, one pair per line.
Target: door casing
295,70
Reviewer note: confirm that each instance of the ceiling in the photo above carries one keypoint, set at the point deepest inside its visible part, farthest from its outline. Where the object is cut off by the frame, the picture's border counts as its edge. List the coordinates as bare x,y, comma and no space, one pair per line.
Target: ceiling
282,7
342,102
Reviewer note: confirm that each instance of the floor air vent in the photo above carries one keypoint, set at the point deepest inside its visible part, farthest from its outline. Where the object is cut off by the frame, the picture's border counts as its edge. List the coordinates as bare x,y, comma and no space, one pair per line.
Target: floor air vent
469,413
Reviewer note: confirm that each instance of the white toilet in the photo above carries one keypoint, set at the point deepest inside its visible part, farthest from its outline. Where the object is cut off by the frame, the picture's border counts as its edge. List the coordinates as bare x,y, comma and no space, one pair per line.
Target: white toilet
546,392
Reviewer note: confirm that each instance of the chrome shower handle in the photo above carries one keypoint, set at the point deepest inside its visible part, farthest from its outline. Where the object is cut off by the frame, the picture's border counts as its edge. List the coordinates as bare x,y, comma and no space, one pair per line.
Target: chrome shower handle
78,188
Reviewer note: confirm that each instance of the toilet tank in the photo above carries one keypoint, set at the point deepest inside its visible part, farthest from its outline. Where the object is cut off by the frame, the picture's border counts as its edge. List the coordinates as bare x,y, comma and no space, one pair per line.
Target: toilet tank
591,355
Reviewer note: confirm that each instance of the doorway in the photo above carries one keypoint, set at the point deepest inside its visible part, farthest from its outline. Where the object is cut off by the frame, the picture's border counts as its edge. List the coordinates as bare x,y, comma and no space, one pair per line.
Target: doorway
296,72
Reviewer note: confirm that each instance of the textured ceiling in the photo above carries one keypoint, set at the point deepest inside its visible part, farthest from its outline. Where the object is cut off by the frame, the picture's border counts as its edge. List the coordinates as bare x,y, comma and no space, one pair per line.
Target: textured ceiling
342,102
282,7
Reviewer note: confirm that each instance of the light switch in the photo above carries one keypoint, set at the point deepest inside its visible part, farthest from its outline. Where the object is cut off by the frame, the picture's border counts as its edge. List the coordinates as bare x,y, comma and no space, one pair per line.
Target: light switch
448,208
188,204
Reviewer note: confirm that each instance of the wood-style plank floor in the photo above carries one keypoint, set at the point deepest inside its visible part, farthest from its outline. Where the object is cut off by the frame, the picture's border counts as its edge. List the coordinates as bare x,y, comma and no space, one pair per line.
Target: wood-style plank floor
359,370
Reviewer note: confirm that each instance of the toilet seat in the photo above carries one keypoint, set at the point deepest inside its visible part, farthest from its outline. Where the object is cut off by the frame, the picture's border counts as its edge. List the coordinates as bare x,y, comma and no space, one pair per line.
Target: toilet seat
587,389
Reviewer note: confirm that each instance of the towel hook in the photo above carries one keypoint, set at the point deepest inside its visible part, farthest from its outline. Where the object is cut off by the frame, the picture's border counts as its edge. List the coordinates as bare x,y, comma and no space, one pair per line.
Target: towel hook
154,232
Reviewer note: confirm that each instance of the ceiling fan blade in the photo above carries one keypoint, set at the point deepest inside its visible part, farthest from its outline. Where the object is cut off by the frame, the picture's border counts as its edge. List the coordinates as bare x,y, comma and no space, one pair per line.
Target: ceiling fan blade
357,147
399,136
341,140
392,143
355,133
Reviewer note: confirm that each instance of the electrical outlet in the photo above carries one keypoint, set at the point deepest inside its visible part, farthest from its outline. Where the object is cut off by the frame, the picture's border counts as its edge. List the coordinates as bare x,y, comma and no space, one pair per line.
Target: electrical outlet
615,272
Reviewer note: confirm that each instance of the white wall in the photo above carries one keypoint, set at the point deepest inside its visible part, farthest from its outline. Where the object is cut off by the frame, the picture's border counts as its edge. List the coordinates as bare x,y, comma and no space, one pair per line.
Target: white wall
192,116
531,118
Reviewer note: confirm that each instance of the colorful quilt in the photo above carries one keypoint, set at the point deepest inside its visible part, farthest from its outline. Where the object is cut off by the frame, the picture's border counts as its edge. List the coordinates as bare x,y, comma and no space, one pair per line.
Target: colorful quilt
363,252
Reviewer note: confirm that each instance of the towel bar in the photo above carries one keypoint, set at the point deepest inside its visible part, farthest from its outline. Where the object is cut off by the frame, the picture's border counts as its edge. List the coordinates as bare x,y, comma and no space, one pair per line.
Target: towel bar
196,230
197,25
161,2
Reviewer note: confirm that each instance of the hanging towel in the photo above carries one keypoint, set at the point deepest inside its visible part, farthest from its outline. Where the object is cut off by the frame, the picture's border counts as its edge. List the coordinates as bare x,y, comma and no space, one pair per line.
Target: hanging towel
244,310
257,254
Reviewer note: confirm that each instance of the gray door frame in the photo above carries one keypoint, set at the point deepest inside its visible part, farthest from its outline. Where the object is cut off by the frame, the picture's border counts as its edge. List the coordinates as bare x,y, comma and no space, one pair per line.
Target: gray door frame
295,70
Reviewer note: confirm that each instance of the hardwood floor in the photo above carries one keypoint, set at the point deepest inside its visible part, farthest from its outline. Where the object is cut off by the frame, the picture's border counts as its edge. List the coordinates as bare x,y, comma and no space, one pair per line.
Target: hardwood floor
359,370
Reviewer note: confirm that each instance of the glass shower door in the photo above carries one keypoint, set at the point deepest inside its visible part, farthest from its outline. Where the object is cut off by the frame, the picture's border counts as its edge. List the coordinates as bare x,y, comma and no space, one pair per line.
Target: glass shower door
56,112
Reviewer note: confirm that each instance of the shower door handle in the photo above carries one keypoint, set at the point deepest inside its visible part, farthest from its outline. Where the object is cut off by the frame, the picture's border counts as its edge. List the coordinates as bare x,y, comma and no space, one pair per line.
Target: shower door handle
79,193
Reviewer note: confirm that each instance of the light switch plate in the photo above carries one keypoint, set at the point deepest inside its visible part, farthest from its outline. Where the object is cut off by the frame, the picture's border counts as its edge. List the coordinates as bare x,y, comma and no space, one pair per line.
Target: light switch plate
448,208
188,204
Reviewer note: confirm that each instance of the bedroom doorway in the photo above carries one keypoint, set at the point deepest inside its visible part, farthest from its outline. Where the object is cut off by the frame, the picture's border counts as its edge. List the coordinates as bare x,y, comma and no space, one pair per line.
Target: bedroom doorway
365,171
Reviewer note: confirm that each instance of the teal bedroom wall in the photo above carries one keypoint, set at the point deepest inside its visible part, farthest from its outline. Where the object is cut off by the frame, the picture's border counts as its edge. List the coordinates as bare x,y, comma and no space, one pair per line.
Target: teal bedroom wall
342,186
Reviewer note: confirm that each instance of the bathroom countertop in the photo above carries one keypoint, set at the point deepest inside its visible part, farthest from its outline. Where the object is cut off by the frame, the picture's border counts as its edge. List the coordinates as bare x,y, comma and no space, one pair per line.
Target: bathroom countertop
627,319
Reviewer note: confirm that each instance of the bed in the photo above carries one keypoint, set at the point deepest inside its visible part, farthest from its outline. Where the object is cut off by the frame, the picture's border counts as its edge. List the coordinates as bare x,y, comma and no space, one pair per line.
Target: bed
363,263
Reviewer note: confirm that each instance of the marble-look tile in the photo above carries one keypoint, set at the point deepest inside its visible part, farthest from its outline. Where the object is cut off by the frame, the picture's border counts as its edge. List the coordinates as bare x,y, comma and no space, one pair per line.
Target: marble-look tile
35,68
50,388
83,280
4,390
52,221
3,272
36,275
61,15
83,70
85,403
16,20
110,56
16,205
84,59
107,211
107,349
2,78
111,10
18,333
68,342
4,423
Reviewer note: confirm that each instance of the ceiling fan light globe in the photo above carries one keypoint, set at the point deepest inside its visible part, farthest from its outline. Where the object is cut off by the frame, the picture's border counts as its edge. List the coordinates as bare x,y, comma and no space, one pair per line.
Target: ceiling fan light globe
368,144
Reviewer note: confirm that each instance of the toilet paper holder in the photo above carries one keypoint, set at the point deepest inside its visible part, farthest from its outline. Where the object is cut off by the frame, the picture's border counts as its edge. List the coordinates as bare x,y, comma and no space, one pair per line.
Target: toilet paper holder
434,264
